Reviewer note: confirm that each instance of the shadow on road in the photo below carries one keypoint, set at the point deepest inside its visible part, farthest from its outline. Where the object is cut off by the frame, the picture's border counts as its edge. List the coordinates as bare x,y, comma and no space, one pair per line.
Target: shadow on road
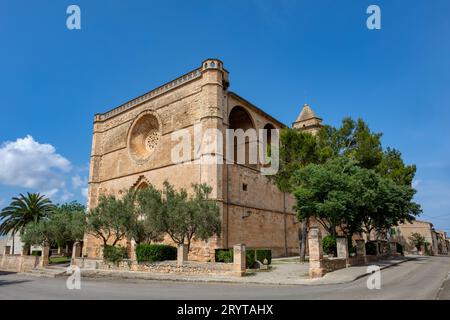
9,282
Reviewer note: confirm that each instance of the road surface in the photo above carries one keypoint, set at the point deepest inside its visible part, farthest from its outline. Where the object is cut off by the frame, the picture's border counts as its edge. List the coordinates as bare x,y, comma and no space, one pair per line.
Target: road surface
423,278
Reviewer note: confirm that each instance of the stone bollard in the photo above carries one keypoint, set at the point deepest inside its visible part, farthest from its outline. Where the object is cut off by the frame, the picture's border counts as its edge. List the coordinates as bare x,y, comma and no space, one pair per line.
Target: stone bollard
361,250
316,267
239,260
76,250
133,256
393,247
100,251
342,249
44,257
182,254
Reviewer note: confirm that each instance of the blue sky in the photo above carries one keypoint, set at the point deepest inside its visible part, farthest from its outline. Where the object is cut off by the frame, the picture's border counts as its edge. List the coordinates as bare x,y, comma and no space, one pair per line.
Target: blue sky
281,54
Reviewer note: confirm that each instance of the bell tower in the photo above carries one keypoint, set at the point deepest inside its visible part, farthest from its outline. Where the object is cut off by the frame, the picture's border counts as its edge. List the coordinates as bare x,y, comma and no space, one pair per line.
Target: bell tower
307,121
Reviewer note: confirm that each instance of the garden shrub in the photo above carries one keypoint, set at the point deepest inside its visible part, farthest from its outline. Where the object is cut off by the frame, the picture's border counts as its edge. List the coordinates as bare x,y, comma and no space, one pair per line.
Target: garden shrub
262,254
224,255
114,254
147,252
371,248
329,245
250,258
36,253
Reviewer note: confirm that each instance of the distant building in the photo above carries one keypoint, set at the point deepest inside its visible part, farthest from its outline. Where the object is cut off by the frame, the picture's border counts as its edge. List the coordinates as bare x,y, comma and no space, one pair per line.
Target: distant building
442,242
437,244
13,244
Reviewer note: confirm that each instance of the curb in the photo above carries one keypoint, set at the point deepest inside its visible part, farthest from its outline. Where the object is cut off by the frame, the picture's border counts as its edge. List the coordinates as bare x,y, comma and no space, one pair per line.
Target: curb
95,274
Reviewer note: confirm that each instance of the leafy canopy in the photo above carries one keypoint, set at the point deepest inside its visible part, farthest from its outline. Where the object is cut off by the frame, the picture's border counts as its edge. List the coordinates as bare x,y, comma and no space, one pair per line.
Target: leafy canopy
64,225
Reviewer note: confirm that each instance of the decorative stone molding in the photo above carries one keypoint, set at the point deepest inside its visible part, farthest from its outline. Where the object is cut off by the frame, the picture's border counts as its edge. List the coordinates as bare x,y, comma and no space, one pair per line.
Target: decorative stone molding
142,180
144,136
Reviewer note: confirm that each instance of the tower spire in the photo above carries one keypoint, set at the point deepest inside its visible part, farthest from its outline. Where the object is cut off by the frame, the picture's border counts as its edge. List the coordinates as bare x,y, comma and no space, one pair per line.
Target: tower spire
307,120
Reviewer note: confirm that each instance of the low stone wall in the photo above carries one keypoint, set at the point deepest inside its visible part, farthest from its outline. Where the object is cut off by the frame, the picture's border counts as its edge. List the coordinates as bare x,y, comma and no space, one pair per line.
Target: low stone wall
334,264
189,267
17,263
357,261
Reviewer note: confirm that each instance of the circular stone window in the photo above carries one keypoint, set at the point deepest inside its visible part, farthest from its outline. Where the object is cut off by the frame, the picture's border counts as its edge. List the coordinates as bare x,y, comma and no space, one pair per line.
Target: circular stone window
144,137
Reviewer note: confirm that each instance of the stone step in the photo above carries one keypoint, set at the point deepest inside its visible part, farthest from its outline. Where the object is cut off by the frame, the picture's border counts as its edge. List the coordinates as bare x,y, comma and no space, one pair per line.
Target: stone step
48,272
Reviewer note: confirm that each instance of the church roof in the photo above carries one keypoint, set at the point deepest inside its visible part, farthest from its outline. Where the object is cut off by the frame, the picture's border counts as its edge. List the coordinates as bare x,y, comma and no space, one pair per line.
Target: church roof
306,114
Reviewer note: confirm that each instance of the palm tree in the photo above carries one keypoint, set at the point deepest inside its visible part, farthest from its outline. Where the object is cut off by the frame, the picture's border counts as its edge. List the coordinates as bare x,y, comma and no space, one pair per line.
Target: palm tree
22,211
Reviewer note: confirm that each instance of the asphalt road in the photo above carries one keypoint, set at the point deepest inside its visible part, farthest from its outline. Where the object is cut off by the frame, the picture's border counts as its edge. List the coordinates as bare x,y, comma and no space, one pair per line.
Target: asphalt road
423,278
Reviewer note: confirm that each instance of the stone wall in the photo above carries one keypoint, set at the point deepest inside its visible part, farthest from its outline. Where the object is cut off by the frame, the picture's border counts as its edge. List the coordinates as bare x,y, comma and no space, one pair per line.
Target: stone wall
334,264
16,263
189,267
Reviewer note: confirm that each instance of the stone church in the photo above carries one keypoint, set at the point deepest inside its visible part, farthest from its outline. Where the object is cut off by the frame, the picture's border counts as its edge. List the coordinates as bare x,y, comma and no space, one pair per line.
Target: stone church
132,145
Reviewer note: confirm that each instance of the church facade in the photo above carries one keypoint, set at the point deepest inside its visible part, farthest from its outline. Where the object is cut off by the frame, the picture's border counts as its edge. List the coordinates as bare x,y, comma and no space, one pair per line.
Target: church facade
133,145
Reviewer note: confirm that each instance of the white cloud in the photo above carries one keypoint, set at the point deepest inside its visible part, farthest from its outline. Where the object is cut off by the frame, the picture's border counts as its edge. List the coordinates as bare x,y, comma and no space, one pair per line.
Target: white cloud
50,193
27,163
78,182
84,192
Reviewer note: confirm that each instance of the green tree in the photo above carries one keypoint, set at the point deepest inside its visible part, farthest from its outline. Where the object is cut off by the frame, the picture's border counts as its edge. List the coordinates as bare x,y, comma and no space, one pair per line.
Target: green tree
68,223
393,167
297,149
354,140
323,191
146,227
23,210
112,220
38,233
64,226
394,205
417,240
184,218
341,194
203,215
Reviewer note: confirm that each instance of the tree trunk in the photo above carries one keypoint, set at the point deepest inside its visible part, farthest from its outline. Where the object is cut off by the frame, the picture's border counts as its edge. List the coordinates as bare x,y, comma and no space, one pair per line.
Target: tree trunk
369,238
303,238
13,240
188,245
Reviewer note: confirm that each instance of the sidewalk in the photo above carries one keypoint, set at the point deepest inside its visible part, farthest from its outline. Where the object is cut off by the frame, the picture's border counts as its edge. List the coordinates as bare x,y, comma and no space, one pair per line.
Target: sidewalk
282,273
